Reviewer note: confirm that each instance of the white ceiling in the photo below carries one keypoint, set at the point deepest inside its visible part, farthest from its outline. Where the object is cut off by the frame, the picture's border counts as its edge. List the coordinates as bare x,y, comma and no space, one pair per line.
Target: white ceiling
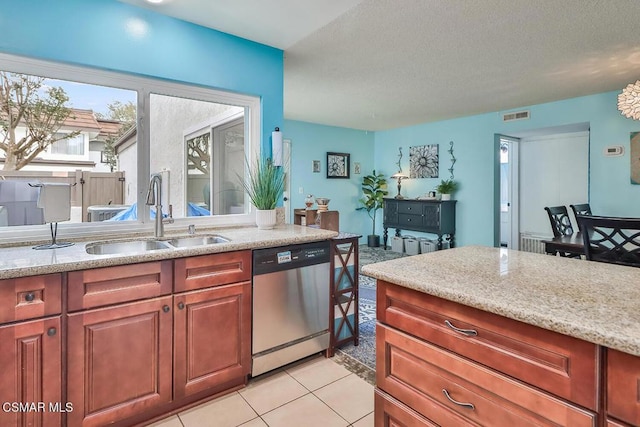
383,64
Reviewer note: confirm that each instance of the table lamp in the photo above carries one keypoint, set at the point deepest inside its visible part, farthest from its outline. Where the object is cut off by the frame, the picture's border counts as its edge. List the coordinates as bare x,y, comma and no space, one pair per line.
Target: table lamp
399,176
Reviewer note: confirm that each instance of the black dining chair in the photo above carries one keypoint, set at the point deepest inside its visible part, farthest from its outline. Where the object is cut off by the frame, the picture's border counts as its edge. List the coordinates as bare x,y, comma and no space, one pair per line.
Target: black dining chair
581,209
560,221
612,240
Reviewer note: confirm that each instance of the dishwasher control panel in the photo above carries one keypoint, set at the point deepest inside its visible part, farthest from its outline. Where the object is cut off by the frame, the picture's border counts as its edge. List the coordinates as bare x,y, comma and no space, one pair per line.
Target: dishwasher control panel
288,257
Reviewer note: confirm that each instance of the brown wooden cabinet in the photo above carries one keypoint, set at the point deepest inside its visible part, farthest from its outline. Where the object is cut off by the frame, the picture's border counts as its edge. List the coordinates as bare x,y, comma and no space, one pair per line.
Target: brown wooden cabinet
31,351
135,350
119,361
31,373
623,387
212,338
455,365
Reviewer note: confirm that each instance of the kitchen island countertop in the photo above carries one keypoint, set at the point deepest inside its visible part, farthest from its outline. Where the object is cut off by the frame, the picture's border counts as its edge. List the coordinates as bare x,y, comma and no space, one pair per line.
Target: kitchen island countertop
592,301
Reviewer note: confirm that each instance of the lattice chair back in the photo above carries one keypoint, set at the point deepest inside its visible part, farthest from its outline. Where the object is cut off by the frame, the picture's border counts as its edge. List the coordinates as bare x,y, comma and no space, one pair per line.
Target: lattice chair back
581,209
612,240
560,221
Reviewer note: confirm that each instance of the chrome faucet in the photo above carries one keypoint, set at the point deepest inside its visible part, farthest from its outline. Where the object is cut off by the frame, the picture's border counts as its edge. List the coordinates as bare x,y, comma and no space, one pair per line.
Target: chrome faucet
154,197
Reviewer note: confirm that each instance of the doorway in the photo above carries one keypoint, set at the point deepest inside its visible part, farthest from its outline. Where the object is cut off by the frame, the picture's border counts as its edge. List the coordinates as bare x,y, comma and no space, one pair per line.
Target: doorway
543,167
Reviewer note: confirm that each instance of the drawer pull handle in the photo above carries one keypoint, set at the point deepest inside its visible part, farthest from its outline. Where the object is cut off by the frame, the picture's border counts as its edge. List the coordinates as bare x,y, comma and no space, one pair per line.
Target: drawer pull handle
166,308
180,306
452,400
29,297
467,332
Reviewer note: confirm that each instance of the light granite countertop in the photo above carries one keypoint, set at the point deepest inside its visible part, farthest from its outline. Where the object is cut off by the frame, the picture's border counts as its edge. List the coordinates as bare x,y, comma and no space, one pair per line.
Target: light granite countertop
593,301
19,261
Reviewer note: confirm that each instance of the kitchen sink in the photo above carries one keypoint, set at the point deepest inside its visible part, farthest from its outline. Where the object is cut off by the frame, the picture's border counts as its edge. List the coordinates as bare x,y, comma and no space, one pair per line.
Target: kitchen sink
132,247
142,246
192,241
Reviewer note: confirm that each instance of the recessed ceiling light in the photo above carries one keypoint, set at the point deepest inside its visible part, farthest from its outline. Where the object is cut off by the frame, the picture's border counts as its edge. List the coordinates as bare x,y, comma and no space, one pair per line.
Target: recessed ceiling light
154,1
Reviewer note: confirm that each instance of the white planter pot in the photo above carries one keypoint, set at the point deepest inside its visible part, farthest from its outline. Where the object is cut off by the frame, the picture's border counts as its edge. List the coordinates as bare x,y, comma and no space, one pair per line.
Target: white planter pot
445,197
265,219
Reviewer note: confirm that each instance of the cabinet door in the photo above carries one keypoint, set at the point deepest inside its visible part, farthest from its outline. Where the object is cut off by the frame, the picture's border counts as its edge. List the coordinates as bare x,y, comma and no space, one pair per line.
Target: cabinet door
212,338
119,361
390,213
31,373
623,386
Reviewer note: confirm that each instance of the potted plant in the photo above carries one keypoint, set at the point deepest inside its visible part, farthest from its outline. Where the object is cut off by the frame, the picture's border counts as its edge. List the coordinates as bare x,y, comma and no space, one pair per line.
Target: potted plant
446,188
374,187
264,186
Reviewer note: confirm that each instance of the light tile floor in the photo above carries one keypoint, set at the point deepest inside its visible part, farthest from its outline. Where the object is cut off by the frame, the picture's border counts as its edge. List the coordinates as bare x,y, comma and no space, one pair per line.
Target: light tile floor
314,392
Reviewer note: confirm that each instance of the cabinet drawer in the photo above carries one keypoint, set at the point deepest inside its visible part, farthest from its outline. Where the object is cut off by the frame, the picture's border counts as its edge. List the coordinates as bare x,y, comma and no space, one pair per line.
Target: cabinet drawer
391,413
406,220
556,363
211,270
421,375
412,208
30,297
623,386
110,285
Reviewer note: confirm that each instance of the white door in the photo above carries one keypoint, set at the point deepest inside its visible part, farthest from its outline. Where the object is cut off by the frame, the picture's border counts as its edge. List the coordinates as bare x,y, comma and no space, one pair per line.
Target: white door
509,193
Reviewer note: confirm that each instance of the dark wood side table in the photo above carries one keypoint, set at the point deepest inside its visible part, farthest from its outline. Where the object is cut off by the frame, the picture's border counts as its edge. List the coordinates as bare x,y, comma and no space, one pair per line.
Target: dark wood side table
428,216
343,307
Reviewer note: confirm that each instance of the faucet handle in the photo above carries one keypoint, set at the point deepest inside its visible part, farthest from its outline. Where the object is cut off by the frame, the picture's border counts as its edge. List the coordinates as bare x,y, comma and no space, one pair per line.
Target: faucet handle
169,218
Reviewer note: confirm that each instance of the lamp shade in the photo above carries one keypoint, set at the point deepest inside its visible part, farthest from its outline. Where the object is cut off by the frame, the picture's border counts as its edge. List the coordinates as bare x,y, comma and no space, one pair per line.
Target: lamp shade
399,175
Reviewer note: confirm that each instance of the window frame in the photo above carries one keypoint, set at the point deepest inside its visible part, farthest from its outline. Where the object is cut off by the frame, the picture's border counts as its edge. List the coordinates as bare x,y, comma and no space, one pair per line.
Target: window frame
144,87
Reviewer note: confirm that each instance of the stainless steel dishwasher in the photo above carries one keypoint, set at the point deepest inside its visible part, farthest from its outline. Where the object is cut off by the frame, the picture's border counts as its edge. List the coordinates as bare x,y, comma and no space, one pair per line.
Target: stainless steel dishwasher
290,304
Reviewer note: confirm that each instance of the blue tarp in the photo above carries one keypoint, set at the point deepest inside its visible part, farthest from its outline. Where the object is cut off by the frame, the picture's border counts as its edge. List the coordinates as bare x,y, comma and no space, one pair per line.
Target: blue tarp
132,213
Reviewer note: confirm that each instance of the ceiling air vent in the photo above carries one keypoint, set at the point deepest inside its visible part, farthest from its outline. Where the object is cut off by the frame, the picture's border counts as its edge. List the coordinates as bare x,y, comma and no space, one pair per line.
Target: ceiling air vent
517,115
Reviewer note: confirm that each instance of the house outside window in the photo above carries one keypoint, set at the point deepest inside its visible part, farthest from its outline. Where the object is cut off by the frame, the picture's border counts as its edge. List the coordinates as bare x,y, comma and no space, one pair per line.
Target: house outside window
71,146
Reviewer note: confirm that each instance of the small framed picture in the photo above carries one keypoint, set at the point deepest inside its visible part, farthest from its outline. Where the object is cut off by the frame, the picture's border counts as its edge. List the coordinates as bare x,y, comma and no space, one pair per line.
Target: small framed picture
338,165
315,168
356,168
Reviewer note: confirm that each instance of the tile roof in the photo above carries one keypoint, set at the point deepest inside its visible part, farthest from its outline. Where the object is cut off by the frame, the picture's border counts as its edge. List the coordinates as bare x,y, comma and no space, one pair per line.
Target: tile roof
108,128
81,119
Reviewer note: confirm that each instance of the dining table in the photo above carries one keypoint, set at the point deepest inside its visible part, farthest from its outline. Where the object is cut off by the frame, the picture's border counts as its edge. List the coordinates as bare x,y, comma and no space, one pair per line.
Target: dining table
569,245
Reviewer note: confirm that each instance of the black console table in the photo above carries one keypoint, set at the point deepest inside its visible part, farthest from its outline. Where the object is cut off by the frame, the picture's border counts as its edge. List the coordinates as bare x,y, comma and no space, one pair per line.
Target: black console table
429,216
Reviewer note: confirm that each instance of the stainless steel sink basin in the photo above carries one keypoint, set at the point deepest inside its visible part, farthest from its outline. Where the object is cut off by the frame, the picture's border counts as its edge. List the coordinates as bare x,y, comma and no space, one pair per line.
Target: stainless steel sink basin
193,241
133,247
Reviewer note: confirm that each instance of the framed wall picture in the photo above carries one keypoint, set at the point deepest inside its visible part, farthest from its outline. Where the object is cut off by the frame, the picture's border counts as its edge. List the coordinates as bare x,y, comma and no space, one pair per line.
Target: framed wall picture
338,165
315,168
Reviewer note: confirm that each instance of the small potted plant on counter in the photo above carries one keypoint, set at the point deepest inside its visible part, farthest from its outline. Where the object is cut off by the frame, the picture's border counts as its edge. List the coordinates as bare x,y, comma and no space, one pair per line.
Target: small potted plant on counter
374,187
264,186
446,188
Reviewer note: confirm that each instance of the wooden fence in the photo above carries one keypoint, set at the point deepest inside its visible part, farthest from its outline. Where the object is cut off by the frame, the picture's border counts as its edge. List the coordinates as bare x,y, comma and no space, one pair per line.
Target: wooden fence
88,188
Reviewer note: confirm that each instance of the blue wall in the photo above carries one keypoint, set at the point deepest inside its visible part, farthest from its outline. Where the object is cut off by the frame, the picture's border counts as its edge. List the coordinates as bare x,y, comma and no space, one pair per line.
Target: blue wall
116,36
475,149
311,142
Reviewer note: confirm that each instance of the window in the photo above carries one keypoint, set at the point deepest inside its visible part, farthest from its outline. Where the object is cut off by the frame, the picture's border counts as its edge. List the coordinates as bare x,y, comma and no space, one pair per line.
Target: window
177,120
70,146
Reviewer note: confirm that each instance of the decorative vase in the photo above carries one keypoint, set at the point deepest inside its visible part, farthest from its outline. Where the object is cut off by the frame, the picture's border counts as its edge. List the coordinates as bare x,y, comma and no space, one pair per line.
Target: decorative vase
373,241
445,196
266,219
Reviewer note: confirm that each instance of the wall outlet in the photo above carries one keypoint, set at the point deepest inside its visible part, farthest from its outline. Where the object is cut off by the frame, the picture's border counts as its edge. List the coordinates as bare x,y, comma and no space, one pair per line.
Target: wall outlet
300,190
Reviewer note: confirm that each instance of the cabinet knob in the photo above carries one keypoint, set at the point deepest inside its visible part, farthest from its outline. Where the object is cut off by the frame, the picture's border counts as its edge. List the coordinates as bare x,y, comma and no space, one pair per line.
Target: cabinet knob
51,331
29,297
467,332
166,308
452,400
180,306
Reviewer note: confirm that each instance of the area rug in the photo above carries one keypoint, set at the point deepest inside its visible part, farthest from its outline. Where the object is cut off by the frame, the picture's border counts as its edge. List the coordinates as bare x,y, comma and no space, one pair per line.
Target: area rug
361,359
